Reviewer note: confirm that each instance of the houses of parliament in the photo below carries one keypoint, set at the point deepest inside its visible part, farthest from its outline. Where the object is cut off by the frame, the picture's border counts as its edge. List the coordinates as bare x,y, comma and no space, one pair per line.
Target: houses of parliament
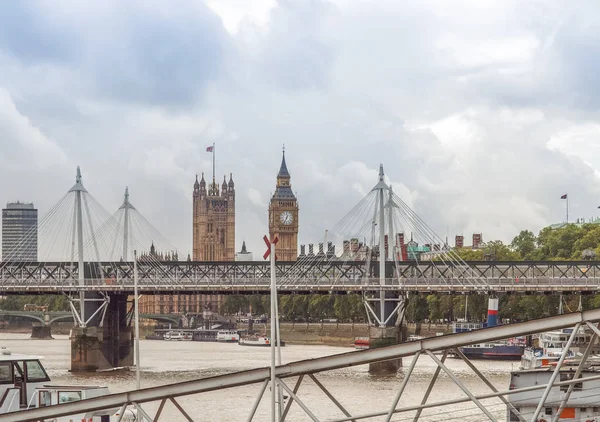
213,235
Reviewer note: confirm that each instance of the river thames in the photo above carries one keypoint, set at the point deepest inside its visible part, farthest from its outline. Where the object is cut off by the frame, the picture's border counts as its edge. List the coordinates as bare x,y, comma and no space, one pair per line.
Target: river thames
165,362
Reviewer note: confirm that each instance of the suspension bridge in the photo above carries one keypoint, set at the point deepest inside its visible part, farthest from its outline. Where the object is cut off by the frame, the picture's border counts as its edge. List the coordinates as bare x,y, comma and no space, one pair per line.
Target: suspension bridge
87,256
326,276
94,268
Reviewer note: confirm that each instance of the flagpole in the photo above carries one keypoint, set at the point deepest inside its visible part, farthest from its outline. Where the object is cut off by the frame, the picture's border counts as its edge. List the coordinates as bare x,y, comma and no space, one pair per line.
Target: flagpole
567,209
213,153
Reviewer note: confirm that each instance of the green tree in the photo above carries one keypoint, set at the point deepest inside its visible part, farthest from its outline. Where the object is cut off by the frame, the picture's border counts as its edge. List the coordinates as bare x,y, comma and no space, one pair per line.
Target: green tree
417,309
433,304
357,309
525,244
342,308
255,302
234,304
498,251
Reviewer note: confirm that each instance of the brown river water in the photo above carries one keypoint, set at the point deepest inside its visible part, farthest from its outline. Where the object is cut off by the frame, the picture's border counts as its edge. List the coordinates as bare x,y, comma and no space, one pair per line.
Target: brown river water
164,362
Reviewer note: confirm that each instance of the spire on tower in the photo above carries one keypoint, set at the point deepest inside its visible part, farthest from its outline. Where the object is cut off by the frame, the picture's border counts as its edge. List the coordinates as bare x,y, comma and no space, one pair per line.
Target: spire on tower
231,184
244,247
78,183
126,203
283,171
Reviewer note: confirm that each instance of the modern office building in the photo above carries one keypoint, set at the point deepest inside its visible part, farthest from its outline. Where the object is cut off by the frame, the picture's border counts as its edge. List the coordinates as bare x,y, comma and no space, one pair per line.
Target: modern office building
19,232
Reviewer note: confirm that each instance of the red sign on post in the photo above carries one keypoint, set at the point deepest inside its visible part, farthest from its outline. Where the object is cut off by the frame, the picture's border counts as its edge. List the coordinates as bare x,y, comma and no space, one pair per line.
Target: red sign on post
268,243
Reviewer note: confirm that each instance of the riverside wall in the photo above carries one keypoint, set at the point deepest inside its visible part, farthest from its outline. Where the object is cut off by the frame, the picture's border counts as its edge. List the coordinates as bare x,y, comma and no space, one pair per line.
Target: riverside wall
333,334
315,333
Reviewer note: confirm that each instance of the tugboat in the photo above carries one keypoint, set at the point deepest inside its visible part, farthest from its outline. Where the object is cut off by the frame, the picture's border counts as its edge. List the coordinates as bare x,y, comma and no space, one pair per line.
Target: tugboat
24,385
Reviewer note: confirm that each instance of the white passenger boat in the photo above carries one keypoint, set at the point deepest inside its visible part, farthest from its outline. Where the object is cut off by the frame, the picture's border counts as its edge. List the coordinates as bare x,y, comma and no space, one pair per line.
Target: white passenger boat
228,336
259,341
24,384
551,345
583,404
177,336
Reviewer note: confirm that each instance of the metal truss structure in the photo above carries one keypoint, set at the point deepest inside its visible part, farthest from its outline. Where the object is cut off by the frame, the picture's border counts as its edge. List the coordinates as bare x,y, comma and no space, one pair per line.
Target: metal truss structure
51,317
291,376
326,276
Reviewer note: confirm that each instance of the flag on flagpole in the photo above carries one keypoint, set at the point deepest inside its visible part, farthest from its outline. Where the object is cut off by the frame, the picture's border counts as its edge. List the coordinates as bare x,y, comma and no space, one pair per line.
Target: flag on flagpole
209,149
564,196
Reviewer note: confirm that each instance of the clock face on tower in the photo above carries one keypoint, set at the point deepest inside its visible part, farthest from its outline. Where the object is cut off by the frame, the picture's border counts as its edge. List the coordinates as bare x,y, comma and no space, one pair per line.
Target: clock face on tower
286,218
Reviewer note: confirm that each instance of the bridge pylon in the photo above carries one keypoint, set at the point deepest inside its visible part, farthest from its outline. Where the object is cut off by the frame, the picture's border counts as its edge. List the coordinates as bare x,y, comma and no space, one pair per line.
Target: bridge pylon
101,337
385,309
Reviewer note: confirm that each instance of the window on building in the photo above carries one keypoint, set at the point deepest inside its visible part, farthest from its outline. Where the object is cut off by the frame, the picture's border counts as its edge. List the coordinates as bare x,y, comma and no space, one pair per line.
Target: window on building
548,411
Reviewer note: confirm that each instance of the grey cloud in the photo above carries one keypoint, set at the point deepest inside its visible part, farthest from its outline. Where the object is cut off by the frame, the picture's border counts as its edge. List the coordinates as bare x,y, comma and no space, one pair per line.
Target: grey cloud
345,87
140,53
27,34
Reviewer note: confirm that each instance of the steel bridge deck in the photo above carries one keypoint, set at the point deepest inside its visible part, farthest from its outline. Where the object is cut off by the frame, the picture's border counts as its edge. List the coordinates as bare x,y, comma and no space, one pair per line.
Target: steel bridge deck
326,276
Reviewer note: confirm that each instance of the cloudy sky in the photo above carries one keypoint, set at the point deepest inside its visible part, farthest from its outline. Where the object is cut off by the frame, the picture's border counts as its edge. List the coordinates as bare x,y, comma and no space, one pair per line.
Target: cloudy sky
483,112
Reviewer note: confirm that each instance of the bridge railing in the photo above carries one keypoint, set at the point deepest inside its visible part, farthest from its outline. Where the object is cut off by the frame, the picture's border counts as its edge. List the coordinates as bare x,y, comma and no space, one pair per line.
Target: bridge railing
262,284
319,393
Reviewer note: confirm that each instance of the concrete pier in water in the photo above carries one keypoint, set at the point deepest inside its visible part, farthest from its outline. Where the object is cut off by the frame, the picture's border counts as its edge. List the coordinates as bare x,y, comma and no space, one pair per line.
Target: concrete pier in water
110,346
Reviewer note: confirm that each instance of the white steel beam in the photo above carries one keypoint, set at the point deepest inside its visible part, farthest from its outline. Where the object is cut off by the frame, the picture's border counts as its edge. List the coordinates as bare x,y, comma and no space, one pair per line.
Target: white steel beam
555,373
183,412
488,383
328,394
464,399
160,409
431,384
403,386
462,386
258,399
143,413
289,403
567,395
295,369
297,400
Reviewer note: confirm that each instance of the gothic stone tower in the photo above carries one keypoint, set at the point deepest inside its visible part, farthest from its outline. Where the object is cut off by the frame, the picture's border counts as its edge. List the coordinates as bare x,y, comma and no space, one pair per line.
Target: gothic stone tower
283,216
214,221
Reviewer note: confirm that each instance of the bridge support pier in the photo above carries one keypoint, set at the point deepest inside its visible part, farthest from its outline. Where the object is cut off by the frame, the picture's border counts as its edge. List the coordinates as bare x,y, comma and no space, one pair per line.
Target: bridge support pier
41,331
105,347
389,329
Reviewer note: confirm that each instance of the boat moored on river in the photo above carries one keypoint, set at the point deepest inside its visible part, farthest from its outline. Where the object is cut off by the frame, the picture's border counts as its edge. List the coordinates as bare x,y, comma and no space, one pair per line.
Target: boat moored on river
552,344
582,406
228,336
177,336
259,341
24,385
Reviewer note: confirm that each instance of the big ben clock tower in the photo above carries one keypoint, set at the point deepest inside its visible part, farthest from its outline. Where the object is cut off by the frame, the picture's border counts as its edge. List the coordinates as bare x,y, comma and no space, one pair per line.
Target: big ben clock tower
283,216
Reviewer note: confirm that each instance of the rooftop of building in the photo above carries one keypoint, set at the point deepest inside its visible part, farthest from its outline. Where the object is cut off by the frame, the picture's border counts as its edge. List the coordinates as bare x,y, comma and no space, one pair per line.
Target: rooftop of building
579,222
20,205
